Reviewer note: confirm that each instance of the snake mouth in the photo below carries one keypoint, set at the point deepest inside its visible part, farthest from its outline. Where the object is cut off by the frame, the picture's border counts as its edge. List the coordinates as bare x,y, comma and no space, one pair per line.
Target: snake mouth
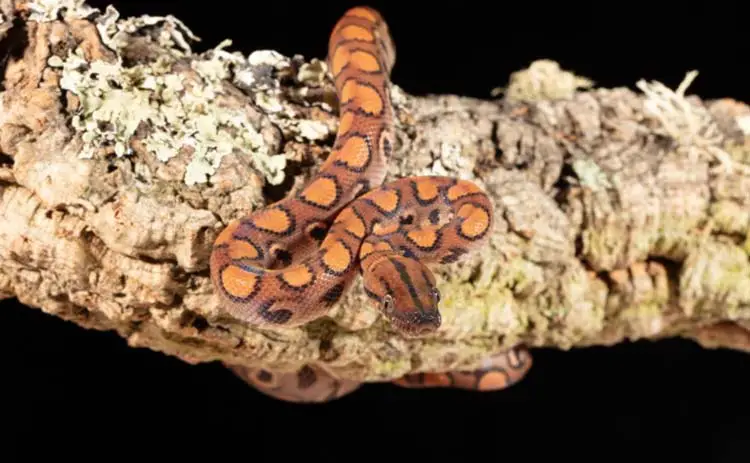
416,323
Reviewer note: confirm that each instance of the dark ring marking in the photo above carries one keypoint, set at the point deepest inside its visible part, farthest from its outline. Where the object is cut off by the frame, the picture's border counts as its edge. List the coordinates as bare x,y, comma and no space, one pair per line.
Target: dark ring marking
342,163
415,193
333,295
289,230
362,83
337,188
375,56
277,317
256,285
435,244
455,254
313,279
352,259
462,219
389,214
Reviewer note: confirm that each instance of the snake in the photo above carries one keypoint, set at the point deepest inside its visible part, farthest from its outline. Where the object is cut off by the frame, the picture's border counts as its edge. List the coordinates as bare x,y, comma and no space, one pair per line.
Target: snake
288,263
314,384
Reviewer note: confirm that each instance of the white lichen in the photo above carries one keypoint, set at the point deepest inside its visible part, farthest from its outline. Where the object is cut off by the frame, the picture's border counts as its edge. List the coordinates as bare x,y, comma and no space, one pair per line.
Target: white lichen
180,118
51,10
312,130
691,126
269,58
743,122
173,33
314,72
115,100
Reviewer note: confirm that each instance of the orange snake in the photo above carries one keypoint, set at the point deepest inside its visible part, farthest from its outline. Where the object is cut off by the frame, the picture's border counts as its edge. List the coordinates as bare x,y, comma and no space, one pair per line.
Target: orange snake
284,266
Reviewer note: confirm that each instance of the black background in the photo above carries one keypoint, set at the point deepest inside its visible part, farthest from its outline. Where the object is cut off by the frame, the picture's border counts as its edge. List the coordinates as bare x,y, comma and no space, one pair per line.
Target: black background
644,400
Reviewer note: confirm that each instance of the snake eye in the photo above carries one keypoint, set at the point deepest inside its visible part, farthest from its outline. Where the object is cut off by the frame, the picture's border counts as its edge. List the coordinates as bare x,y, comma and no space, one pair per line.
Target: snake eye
436,295
387,304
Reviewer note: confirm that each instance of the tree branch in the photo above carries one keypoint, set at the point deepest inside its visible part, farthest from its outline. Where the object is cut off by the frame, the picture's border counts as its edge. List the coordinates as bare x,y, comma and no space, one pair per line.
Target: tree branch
620,214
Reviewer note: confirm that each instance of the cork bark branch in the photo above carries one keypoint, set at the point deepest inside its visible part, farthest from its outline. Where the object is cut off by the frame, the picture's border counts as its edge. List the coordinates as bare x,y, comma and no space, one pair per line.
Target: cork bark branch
621,213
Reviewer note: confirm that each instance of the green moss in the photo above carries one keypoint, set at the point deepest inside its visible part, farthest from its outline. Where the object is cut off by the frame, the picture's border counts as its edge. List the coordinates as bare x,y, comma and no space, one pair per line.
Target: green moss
715,276
731,217
739,152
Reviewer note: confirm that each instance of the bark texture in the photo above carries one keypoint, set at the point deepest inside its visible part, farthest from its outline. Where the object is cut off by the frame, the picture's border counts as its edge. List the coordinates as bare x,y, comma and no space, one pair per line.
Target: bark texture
621,214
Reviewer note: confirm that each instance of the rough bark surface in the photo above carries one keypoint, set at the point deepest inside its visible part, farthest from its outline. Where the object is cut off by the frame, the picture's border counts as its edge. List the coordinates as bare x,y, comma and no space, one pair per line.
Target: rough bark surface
621,214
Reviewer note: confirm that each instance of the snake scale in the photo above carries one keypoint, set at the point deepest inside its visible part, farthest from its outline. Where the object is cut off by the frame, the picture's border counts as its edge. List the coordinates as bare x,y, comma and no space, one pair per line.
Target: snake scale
288,263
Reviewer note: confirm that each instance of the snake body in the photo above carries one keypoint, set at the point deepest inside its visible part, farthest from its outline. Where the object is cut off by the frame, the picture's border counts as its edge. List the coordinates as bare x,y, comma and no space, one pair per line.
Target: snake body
314,384
290,262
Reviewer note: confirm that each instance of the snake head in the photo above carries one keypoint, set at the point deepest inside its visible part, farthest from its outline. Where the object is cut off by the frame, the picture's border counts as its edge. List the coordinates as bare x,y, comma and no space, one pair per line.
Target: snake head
406,292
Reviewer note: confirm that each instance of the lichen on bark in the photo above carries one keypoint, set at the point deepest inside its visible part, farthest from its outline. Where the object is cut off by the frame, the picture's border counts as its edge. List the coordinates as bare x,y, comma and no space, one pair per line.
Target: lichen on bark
621,214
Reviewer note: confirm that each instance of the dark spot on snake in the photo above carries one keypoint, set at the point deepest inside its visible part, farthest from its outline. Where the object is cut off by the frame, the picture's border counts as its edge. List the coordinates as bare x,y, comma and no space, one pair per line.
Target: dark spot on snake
434,216
306,377
333,295
283,256
407,252
278,316
455,254
406,219
317,232
387,148
264,376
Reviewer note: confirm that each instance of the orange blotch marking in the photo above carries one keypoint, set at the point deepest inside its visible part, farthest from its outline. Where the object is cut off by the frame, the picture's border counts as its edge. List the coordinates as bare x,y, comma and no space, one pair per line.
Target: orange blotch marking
337,257
345,122
364,61
274,220
368,248
354,32
242,250
383,246
365,250
226,235
361,60
355,152
238,282
362,96
385,200
476,220
321,191
493,380
426,190
360,12
380,229
462,189
353,224
424,238
297,276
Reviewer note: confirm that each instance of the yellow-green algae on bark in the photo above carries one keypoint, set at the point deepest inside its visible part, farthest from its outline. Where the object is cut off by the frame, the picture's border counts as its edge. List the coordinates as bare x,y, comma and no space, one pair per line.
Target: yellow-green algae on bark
620,214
